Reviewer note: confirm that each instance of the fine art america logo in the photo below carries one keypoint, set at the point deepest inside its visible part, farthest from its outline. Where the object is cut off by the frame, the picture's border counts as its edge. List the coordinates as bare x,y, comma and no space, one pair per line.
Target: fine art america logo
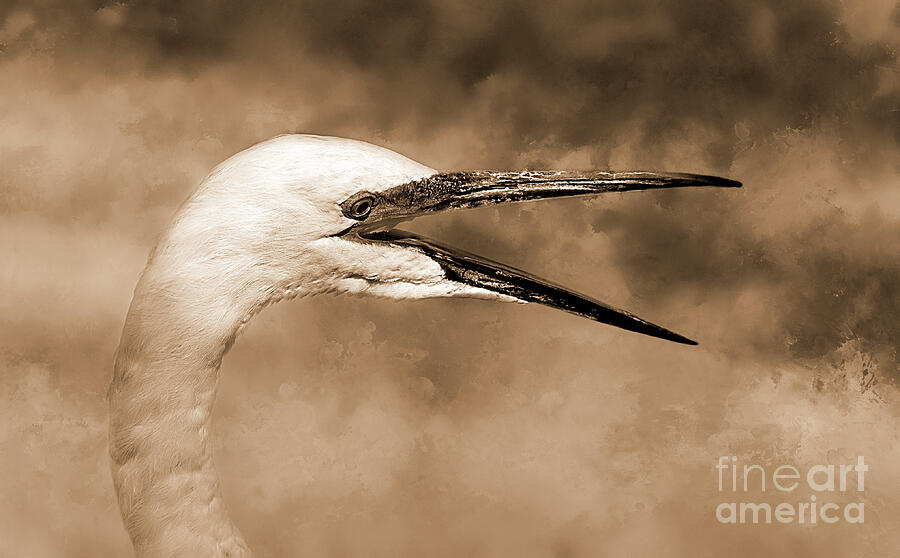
822,480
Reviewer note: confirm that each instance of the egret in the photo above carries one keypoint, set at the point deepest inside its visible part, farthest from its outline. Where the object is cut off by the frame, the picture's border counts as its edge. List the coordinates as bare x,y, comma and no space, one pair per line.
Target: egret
293,216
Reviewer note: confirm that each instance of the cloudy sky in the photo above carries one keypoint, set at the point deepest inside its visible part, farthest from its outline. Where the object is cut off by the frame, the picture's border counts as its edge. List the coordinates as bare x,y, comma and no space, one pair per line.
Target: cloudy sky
357,427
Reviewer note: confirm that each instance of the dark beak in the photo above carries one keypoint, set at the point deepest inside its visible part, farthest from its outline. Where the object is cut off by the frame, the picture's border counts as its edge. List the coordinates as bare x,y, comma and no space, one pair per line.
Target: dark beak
445,191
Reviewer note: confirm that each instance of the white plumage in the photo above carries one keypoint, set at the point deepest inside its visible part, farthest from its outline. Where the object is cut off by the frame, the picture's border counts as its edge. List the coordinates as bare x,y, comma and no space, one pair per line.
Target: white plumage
259,228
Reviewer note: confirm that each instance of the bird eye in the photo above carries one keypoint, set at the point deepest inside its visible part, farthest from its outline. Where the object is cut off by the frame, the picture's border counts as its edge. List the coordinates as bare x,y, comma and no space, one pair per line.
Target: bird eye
361,208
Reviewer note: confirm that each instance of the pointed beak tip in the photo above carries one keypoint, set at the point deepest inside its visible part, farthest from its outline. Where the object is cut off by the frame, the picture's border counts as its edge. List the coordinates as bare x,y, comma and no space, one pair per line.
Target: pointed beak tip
720,182
672,336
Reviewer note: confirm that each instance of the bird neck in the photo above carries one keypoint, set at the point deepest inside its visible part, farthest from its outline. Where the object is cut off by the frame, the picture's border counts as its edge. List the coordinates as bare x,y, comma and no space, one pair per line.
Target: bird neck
161,398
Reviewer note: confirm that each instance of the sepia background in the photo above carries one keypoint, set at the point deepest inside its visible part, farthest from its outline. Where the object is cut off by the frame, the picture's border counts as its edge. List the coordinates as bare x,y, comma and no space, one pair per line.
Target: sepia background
360,427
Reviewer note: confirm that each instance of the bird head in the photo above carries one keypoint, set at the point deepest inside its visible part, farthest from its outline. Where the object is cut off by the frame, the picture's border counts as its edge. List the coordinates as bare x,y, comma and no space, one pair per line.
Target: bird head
303,214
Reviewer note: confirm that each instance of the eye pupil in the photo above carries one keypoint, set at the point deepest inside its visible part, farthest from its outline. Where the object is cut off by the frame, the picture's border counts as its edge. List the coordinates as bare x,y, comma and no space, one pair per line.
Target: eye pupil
361,208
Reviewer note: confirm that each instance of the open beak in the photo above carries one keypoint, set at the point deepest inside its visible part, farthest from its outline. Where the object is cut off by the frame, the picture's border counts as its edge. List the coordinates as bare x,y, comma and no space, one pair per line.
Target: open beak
446,191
